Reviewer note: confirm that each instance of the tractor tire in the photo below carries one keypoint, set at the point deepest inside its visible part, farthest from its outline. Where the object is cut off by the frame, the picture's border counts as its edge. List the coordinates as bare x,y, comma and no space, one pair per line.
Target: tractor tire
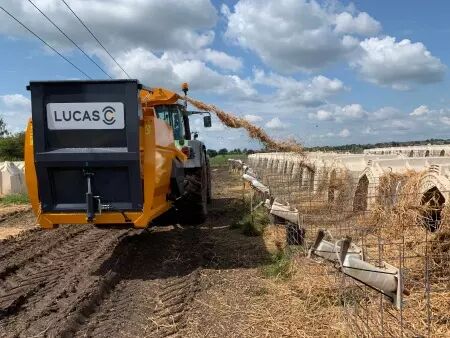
208,181
192,206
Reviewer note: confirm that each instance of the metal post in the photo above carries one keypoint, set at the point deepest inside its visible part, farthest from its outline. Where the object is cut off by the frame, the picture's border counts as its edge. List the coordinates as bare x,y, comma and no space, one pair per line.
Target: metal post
380,248
427,285
400,272
251,204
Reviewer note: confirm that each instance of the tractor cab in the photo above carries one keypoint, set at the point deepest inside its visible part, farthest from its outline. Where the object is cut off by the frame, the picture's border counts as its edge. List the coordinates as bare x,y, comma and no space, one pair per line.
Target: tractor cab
174,115
172,108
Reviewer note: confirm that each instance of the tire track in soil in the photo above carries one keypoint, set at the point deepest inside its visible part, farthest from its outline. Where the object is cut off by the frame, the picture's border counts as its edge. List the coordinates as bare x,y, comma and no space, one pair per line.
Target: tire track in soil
85,281
39,294
9,245
151,299
24,222
16,252
11,214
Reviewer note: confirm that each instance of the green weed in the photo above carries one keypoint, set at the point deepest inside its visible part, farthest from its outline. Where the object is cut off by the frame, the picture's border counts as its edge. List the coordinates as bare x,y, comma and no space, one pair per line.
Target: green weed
280,266
14,199
252,225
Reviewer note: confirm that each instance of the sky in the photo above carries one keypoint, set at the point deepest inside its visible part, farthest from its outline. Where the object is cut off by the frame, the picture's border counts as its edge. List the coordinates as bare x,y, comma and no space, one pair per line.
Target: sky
322,72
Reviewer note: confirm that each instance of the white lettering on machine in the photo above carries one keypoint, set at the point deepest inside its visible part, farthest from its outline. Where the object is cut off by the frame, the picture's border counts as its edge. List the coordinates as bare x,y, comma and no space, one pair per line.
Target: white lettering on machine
85,115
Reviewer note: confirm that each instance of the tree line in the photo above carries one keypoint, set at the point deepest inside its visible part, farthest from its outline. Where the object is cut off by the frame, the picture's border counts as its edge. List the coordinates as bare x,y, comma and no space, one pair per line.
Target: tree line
225,151
11,144
350,148
359,148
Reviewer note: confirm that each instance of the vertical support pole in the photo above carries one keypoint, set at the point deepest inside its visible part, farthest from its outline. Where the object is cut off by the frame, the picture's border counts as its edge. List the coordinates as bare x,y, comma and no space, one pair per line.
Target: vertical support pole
251,205
243,191
427,285
380,248
400,272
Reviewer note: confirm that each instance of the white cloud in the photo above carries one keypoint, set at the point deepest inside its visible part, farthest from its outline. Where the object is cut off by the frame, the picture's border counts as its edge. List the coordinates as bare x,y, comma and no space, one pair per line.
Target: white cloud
384,113
334,112
400,65
276,124
352,111
321,115
119,24
15,109
344,133
362,24
312,92
400,125
253,118
170,70
222,60
419,111
295,35
15,101
369,131
445,120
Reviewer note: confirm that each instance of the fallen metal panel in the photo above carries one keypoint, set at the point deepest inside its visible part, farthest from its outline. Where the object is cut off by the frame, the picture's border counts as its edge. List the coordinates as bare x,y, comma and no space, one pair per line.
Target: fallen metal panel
247,178
261,187
256,184
332,251
379,278
385,279
284,212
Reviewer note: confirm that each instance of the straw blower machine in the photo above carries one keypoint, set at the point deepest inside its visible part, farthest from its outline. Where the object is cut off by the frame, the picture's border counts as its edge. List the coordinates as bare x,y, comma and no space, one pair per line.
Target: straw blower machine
113,152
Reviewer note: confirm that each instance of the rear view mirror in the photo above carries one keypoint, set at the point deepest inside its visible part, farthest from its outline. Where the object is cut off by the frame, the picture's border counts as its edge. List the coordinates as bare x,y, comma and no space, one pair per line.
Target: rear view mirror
207,121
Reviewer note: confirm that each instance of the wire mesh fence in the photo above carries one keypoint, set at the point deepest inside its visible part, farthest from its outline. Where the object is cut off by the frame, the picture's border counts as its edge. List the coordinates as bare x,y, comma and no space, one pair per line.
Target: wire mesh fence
392,219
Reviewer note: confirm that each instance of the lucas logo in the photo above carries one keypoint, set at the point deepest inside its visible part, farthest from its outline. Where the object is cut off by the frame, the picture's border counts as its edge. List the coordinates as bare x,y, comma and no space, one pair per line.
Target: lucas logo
108,116
85,115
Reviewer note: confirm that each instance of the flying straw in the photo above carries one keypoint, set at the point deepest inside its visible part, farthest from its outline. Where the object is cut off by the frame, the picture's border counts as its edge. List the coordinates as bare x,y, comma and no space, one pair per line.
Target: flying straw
253,131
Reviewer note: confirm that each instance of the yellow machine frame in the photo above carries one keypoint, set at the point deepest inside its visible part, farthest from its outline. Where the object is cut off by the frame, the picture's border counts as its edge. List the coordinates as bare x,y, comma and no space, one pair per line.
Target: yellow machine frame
157,150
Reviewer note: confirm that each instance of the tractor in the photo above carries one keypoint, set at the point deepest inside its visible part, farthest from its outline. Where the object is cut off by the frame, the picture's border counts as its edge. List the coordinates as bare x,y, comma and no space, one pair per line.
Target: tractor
108,152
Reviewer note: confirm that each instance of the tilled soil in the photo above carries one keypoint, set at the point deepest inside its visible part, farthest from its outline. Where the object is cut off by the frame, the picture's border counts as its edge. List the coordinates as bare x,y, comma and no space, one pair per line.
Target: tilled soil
87,281
84,281
167,281
15,219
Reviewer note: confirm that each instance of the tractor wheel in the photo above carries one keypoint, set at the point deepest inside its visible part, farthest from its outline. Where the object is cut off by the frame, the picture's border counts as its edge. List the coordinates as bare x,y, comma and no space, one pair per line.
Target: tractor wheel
208,181
192,205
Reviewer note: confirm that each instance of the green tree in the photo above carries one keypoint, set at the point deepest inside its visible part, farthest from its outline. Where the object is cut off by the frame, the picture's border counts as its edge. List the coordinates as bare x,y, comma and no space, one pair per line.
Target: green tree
3,130
211,152
223,151
11,147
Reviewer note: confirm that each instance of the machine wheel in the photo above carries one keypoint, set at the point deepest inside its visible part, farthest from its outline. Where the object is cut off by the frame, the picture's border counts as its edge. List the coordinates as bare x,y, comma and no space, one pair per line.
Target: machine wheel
192,206
208,181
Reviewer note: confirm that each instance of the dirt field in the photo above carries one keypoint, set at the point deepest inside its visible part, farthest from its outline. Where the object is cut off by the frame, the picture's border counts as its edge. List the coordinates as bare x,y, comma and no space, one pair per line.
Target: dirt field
168,281
15,219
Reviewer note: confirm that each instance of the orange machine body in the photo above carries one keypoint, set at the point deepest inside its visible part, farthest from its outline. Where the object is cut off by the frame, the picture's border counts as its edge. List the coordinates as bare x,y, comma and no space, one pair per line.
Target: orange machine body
158,150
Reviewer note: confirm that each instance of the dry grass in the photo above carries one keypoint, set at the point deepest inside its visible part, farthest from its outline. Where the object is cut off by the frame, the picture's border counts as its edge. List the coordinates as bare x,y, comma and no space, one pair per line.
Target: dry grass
395,230
248,303
307,291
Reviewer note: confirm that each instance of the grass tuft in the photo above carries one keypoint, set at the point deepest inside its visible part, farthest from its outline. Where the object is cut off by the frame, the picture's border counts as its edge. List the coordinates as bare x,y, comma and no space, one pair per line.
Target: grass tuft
281,266
14,199
252,226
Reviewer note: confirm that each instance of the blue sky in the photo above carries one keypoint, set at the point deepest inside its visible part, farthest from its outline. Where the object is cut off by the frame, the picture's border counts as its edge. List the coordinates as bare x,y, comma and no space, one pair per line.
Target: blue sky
323,72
